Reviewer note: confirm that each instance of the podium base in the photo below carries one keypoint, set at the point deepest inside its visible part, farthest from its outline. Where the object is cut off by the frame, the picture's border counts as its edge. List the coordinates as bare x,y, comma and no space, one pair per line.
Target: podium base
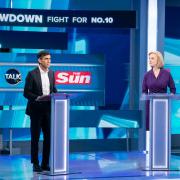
48,173
171,169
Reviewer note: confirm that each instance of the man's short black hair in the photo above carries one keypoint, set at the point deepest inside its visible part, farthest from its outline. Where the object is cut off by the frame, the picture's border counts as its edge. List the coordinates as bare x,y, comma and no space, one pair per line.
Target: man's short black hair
43,53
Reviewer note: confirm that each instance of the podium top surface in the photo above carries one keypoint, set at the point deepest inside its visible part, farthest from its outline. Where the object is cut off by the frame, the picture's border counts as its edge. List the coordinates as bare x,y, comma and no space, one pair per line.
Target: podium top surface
160,96
55,96
59,96
65,95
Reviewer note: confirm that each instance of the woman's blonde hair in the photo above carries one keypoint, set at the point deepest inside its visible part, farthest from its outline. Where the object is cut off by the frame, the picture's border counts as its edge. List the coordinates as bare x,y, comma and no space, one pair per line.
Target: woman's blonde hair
160,59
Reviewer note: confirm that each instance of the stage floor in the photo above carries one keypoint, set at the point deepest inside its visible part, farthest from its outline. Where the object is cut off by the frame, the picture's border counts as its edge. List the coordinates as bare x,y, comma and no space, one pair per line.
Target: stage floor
98,165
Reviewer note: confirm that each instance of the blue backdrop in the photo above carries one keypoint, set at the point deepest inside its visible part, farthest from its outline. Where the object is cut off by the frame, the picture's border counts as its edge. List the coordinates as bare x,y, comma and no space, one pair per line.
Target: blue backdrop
113,44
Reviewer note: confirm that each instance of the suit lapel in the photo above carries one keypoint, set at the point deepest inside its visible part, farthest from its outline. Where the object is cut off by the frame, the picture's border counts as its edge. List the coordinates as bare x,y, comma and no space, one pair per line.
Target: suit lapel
50,75
38,78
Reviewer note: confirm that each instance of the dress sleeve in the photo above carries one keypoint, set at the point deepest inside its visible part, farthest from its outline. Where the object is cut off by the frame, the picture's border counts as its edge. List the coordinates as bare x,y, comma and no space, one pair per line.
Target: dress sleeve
144,85
171,85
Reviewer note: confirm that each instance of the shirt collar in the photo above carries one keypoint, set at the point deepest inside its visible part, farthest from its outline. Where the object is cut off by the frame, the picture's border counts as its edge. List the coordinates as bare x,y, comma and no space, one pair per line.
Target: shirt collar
42,71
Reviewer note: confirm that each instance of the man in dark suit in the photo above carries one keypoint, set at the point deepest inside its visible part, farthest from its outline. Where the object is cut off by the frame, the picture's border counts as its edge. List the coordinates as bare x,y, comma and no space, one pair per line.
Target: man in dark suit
39,83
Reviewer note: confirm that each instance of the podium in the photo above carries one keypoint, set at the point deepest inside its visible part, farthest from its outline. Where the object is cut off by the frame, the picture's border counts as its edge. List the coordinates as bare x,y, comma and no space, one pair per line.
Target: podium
160,130
59,150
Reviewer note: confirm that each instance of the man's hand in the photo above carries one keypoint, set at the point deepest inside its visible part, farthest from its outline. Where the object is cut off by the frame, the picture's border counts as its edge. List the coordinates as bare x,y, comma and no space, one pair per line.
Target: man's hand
43,98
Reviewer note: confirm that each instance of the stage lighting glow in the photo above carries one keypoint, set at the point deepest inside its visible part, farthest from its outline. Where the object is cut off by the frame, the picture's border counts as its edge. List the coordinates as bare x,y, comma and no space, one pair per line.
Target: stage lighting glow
152,27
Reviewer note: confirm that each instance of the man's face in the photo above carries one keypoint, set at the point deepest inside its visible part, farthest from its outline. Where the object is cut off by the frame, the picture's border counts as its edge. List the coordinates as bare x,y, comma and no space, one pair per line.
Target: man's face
45,61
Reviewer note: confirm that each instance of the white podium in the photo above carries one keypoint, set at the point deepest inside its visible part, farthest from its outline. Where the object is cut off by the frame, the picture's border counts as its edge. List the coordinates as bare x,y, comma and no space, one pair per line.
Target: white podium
59,150
160,130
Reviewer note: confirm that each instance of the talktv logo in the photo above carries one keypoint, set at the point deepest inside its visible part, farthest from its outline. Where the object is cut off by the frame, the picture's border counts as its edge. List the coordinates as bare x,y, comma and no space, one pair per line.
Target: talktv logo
21,18
13,76
71,77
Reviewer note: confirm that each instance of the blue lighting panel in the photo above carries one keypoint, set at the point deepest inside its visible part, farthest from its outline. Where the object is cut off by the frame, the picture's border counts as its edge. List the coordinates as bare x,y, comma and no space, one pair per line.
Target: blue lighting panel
172,53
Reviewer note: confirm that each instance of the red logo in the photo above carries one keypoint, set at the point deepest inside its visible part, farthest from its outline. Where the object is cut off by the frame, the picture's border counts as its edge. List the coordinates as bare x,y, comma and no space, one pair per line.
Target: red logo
71,77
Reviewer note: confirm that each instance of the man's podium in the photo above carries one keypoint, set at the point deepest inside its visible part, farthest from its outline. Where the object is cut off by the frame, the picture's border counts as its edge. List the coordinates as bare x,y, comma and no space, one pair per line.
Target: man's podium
59,149
160,130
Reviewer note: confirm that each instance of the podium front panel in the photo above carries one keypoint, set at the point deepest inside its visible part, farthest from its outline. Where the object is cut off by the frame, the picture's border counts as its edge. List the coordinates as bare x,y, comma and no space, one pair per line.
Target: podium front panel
59,136
159,133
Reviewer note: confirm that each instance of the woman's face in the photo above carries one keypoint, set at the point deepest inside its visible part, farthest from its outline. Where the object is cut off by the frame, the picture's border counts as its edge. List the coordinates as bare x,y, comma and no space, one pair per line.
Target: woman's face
153,61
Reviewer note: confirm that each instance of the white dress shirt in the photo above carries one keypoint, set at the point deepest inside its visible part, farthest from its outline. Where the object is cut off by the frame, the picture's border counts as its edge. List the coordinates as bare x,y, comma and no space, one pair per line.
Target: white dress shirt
45,82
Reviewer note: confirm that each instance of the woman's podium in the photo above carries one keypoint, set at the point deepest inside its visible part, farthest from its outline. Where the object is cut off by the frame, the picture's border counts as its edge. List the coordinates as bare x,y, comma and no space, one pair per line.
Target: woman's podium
160,130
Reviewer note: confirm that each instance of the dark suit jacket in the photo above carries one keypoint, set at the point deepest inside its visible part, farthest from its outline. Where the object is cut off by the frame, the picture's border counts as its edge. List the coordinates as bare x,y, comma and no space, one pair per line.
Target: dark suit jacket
33,89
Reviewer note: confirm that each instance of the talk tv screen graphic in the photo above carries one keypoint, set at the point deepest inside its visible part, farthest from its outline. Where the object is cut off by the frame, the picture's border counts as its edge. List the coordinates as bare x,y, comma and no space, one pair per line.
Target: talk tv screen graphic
86,78
68,18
